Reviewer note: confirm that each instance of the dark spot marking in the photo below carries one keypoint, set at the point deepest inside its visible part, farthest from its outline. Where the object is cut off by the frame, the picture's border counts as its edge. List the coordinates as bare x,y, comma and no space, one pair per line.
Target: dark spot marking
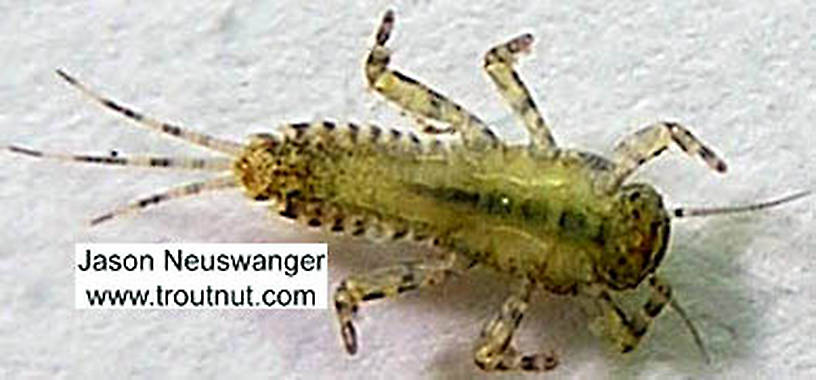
396,134
595,161
636,214
639,332
414,138
377,294
658,152
405,78
292,194
314,222
652,309
621,261
436,102
528,364
300,130
490,135
527,105
376,132
102,160
721,166
354,130
662,289
406,287
160,162
152,200
706,153
131,114
399,234
290,211
261,197
171,129
358,231
338,225
634,196
328,125
482,365
664,241
112,105
26,151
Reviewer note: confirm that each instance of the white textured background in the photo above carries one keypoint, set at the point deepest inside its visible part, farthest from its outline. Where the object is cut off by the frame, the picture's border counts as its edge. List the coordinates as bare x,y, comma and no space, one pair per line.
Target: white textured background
740,73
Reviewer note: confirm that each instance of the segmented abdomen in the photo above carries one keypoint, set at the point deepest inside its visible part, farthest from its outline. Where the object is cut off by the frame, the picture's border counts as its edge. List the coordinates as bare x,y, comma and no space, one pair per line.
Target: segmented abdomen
500,206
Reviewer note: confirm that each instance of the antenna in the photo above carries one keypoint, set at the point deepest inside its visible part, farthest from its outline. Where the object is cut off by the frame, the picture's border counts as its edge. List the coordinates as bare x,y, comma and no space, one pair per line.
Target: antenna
684,212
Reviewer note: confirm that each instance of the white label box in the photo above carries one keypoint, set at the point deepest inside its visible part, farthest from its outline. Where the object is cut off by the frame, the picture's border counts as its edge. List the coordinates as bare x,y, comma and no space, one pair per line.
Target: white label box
201,276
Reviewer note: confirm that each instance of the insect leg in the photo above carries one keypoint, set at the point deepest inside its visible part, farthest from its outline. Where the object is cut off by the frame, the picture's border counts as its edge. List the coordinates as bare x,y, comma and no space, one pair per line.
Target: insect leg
197,138
496,351
382,283
627,330
498,63
649,142
417,98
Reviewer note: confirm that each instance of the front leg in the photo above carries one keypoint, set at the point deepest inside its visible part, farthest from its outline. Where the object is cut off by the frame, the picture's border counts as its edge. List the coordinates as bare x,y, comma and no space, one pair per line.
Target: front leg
498,63
627,331
496,351
383,283
418,99
648,143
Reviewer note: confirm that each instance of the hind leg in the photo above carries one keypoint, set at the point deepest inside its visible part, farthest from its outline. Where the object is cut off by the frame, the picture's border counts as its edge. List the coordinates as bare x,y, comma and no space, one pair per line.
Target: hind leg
418,99
383,283
498,63
496,351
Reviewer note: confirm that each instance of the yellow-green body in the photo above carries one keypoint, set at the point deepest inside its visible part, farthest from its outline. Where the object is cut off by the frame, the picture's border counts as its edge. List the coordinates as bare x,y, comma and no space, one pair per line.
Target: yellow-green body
504,207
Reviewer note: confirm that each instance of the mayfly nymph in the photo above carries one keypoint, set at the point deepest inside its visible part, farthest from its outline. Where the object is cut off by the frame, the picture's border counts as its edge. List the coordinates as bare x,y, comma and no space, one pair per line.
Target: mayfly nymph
558,220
